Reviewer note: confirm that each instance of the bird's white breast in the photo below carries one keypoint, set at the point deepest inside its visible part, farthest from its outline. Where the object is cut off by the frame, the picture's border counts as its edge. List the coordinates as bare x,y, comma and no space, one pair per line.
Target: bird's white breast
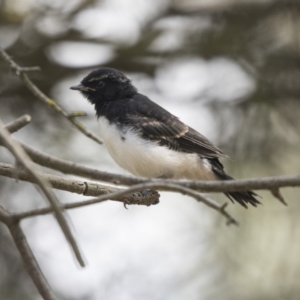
148,158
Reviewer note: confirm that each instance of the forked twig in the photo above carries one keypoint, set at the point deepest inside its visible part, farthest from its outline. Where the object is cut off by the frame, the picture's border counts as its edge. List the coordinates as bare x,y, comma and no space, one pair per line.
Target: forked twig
21,156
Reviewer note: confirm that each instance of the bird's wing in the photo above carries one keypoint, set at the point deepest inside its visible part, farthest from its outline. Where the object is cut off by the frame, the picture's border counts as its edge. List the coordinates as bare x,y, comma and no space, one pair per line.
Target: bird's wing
193,141
155,123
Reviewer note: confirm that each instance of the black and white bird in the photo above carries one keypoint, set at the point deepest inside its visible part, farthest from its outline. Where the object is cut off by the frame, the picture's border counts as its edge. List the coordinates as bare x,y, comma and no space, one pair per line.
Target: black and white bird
147,140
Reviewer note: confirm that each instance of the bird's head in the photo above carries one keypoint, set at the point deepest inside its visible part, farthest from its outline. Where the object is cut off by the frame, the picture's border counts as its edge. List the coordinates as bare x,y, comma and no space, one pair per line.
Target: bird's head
104,85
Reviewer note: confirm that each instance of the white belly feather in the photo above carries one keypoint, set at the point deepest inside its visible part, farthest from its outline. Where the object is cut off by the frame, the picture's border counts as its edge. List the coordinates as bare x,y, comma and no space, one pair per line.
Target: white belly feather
148,159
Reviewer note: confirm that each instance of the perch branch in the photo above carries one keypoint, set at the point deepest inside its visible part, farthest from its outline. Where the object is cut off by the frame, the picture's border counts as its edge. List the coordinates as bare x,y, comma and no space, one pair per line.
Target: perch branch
68,167
119,196
21,73
80,187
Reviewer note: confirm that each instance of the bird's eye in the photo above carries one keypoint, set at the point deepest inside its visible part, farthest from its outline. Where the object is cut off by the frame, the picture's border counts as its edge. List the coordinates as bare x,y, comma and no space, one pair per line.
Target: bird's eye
100,84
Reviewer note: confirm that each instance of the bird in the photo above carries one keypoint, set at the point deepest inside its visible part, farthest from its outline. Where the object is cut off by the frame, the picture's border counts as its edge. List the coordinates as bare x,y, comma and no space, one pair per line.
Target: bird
147,140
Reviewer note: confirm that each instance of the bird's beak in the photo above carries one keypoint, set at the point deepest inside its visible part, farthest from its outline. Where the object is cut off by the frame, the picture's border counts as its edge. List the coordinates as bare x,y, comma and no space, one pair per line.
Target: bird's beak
78,87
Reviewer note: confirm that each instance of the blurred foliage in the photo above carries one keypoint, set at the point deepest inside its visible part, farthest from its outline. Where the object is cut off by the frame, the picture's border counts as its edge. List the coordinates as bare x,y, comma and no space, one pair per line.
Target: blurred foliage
260,130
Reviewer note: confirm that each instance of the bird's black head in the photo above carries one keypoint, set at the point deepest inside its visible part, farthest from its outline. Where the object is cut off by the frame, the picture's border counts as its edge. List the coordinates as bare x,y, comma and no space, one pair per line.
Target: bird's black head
104,85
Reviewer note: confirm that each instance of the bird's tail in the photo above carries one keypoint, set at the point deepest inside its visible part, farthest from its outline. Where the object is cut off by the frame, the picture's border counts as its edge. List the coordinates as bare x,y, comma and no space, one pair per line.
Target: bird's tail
243,197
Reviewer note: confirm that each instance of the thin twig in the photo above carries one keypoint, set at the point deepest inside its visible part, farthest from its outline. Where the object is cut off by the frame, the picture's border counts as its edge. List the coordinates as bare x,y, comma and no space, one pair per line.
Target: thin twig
76,114
276,193
20,72
29,69
18,124
119,196
80,187
28,258
16,149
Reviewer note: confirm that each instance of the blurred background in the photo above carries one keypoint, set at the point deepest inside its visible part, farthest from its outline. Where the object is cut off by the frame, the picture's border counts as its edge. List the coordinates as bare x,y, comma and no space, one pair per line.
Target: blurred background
228,68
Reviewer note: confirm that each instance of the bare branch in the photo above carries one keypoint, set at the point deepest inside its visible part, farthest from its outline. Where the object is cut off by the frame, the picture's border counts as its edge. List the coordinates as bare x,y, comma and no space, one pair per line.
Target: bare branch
29,260
28,69
119,196
30,263
18,124
81,187
16,149
68,167
266,183
20,72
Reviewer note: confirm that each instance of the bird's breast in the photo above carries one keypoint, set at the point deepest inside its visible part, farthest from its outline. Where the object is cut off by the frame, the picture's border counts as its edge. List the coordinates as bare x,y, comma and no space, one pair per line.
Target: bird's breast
129,150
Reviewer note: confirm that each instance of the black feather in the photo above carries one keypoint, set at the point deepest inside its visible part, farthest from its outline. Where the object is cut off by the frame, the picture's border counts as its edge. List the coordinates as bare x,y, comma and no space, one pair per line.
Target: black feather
244,197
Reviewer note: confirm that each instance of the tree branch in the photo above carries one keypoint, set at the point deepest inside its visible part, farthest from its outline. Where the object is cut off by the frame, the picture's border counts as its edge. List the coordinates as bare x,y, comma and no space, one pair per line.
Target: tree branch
81,187
68,167
20,72
28,258
119,196
18,124
16,149
128,196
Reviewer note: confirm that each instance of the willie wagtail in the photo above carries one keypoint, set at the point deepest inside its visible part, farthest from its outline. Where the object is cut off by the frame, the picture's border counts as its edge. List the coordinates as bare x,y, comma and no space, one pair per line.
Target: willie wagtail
147,140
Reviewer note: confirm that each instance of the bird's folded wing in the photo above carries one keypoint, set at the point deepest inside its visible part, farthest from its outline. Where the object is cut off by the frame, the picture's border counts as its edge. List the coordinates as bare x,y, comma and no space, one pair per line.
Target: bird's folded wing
169,131
193,141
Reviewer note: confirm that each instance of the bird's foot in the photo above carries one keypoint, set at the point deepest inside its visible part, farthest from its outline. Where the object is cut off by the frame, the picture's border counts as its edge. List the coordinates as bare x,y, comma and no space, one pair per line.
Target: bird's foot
144,197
